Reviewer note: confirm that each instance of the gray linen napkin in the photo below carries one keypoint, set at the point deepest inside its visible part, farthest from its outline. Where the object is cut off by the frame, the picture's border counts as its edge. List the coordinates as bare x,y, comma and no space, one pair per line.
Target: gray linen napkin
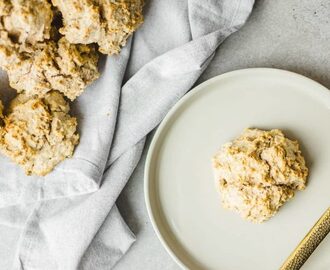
86,231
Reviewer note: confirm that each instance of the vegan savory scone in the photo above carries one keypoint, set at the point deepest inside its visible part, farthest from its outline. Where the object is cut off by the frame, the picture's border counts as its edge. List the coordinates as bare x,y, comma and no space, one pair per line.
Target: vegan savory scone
40,68
38,59
26,21
106,22
49,48
34,59
38,133
258,172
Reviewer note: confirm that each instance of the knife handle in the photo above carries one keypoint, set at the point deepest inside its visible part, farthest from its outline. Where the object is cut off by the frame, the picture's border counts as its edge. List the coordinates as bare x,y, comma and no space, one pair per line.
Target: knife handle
307,246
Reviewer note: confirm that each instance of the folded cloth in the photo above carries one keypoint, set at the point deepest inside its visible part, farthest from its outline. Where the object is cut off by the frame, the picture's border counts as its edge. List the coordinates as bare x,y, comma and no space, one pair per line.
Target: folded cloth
86,231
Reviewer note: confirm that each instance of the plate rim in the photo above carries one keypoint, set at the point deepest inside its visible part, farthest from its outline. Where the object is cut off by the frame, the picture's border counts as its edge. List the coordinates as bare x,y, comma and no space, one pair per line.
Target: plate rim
157,136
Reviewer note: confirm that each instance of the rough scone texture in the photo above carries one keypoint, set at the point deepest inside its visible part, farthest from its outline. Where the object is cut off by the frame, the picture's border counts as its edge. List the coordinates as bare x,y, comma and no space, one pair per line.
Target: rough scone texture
39,133
258,172
106,22
38,60
44,60
50,65
26,20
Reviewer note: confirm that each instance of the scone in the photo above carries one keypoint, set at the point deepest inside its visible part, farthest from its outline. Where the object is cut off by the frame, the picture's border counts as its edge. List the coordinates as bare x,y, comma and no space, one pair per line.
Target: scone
38,69
39,133
258,172
26,21
106,22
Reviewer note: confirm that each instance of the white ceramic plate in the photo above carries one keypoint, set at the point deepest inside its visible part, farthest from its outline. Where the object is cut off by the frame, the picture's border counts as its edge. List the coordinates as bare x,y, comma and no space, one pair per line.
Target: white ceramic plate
181,198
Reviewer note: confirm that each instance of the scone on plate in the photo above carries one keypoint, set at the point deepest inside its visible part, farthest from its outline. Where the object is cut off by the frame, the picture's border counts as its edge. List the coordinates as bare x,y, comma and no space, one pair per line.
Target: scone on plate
258,172
39,133
38,69
108,23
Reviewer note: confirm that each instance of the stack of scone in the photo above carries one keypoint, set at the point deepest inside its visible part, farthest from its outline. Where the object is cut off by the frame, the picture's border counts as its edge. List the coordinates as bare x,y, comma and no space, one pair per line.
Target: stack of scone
49,50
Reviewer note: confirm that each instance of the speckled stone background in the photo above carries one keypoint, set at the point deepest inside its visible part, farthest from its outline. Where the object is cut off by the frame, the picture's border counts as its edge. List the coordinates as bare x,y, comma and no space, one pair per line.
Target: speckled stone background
286,34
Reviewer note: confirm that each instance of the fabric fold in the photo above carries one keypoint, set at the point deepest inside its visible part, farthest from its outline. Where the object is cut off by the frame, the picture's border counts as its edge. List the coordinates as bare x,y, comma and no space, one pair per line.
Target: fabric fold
158,85
59,232
109,244
96,111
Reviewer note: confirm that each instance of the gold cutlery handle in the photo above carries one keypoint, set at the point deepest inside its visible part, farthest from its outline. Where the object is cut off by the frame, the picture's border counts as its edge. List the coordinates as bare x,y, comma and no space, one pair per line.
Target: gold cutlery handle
307,246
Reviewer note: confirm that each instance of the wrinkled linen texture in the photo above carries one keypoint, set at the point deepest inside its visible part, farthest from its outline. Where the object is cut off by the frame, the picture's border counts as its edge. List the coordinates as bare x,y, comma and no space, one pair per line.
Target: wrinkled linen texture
68,219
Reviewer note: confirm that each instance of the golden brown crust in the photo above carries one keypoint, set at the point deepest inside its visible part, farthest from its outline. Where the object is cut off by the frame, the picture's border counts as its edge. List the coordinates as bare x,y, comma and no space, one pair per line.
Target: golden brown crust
82,20
27,21
35,63
38,69
121,18
258,172
39,133
108,23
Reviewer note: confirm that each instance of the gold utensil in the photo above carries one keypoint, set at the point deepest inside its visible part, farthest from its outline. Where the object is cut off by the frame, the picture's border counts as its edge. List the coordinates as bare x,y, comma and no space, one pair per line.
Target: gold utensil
307,246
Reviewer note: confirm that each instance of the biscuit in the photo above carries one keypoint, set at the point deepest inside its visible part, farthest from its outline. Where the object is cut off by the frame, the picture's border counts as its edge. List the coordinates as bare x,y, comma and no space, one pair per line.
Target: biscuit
26,21
38,69
107,23
38,133
258,172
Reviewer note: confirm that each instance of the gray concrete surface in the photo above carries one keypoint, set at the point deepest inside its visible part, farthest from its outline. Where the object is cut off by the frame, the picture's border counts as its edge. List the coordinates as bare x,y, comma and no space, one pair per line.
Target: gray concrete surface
286,34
